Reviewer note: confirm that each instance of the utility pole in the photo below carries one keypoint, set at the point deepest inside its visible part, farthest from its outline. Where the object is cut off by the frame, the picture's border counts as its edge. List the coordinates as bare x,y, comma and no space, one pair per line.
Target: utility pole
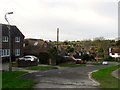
119,20
57,38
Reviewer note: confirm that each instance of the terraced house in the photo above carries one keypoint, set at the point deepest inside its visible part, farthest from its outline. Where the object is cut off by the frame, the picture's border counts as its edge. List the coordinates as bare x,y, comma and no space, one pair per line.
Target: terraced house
16,43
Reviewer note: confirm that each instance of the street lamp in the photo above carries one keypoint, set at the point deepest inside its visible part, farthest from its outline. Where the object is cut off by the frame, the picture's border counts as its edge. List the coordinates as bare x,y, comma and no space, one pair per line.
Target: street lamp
10,65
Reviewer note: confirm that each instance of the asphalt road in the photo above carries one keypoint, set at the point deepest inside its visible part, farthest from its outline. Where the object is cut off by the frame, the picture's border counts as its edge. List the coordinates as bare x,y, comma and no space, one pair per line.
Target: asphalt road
66,77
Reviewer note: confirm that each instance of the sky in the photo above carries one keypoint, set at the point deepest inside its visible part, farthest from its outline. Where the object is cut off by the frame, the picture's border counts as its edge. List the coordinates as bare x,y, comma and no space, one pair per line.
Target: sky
76,19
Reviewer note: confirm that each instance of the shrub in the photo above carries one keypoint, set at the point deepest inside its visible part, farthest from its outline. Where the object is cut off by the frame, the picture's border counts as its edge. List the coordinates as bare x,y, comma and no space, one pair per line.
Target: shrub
109,59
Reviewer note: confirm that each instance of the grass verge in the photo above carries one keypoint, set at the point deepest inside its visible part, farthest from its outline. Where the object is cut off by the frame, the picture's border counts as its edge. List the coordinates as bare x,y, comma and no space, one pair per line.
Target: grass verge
0,80
41,67
10,81
54,67
72,65
105,78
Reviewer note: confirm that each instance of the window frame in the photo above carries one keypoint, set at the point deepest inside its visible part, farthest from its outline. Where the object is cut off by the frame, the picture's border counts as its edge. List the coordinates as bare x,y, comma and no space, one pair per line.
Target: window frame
17,39
5,39
5,52
113,53
17,52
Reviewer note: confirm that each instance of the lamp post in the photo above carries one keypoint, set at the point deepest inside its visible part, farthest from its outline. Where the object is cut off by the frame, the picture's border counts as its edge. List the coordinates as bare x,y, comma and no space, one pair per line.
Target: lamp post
10,65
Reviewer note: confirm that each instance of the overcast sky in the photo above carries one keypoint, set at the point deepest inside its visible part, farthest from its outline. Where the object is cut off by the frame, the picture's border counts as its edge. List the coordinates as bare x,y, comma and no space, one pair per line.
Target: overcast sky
77,19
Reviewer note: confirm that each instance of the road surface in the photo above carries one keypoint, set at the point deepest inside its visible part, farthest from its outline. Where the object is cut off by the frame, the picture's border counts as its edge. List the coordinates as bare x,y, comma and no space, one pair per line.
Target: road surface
66,77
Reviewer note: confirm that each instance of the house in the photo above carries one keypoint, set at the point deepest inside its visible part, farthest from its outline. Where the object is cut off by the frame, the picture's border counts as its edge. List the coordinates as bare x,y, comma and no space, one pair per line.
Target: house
114,52
39,48
36,46
16,43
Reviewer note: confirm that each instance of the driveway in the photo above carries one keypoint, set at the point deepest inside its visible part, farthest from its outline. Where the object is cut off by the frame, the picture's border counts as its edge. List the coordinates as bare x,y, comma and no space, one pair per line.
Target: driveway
66,77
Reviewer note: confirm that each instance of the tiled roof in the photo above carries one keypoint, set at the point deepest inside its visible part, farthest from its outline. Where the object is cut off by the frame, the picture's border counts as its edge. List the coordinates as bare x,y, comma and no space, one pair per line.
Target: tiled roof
36,46
14,30
115,50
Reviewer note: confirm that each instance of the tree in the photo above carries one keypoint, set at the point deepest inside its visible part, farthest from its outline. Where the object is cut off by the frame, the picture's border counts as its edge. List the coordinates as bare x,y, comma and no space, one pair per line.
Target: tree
92,57
70,49
118,43
100,52
66,42
52,54
85,57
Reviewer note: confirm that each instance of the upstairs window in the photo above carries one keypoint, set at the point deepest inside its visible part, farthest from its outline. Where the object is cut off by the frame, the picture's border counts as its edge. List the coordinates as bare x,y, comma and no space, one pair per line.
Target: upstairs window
45,45
5,39
17,39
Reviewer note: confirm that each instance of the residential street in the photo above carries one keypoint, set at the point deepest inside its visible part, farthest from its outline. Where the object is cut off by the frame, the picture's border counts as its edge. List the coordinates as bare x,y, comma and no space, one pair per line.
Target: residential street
66,77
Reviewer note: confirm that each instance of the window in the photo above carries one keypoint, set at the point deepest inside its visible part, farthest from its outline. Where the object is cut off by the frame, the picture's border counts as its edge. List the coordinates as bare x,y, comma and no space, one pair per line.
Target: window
5,38
17,52
45,45
113,54
23,44
17,39
5,52
0,52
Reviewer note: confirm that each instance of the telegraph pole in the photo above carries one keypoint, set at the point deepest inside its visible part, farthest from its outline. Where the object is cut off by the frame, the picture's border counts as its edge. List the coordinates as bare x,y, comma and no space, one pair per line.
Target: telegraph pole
57,38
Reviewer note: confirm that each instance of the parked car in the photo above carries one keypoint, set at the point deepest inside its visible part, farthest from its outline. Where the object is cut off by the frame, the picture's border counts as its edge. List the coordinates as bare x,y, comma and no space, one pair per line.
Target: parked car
68,58
79,61
29,58
76,59
105,63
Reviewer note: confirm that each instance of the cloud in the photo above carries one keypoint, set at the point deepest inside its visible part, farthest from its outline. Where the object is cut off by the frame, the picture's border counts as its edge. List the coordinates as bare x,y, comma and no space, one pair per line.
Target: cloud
77,19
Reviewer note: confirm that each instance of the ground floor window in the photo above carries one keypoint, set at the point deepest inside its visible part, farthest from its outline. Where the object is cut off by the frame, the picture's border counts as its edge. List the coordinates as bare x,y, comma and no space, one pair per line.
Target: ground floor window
17,52
4,52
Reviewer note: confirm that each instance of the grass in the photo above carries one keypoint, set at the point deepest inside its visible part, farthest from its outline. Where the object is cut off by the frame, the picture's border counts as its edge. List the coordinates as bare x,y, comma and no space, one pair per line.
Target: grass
10,80
72,65
53,67
0,80
105,78
42,67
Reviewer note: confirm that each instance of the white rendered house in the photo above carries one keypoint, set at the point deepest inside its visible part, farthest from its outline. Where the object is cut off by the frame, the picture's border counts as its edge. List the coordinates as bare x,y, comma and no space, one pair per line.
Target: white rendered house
114,52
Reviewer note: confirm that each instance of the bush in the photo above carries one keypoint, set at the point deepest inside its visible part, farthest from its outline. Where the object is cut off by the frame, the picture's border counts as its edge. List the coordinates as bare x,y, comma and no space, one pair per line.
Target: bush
109,59
59,59
85,57
43,58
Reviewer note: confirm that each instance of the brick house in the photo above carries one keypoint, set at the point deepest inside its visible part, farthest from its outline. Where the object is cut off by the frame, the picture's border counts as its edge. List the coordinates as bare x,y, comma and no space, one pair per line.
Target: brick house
36,46
39,48
17,39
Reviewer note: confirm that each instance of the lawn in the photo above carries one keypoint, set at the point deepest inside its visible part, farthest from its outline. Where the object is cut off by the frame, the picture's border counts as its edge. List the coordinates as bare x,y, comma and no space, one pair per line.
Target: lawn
12,80
0,80
42,67
72,65
105,78
54,67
